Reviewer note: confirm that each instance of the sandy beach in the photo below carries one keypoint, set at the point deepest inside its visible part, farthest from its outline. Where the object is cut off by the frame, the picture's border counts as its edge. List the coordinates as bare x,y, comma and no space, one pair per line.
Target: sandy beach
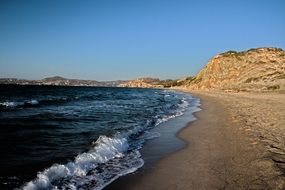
238,142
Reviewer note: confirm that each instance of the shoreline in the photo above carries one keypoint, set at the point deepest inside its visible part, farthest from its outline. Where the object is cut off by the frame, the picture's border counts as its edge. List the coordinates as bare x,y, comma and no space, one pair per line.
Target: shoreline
221,151
157,149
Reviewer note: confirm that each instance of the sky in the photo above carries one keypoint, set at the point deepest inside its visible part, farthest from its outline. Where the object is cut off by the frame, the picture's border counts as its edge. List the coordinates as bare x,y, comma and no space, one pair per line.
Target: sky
126,39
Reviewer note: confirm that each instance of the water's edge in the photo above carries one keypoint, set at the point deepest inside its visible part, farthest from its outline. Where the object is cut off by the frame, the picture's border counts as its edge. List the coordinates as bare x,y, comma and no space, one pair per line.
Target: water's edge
159,148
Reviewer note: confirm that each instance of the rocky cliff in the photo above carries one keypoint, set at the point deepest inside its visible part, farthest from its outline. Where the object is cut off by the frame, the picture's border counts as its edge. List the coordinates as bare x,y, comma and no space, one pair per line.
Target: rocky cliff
259,69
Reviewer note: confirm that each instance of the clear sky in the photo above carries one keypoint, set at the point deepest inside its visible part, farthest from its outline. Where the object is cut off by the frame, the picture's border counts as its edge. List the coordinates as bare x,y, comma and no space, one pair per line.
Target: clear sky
126,39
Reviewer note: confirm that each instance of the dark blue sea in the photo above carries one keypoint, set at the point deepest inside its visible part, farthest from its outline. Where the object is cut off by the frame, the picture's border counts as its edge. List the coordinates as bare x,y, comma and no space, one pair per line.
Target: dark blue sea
78,137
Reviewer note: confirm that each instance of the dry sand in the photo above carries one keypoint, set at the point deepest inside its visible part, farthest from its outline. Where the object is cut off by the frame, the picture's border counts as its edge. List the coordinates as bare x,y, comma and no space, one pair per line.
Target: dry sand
238,142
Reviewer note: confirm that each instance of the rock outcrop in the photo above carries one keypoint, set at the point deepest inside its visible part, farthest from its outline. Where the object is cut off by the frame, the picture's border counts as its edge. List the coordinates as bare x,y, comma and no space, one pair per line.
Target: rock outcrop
141,83
152,83
260,69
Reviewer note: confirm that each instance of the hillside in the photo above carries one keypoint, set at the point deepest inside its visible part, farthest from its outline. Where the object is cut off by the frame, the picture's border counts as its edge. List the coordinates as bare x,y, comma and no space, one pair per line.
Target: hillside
260,69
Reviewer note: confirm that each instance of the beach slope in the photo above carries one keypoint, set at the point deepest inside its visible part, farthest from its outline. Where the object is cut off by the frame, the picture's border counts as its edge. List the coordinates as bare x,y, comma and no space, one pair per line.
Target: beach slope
236,143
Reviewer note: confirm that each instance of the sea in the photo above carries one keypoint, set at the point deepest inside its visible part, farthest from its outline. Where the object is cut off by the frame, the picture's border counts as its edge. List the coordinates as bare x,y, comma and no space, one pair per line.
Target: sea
54,137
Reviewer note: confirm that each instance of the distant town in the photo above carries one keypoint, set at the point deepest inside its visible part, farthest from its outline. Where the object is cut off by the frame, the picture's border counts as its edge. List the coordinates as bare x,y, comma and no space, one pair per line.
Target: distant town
60,81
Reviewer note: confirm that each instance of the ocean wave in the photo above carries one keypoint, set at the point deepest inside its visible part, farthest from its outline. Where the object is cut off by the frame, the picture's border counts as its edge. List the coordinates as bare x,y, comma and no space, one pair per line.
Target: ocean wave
48,101
10,105
109,159
184,104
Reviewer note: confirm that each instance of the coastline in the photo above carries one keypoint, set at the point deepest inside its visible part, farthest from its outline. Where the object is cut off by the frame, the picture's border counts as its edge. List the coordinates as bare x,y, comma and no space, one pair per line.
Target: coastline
157,149
229,147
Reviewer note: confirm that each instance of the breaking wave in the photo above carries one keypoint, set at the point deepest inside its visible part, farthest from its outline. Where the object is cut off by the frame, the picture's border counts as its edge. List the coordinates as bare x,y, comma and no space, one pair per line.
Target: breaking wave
109,158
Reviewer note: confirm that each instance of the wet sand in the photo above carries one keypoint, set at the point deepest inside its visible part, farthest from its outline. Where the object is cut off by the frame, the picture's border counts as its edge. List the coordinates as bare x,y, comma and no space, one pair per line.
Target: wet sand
238,142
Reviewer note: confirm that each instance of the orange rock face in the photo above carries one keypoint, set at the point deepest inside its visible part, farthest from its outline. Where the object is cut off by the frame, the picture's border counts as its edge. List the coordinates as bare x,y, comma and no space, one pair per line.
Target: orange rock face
258,69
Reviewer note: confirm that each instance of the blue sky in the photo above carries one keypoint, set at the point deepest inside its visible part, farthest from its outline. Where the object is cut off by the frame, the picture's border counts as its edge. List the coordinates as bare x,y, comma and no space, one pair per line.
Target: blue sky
126,39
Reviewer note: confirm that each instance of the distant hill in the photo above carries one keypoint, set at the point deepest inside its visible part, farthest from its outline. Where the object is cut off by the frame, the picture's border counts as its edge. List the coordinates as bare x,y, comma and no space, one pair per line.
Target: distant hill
60,81
55,78
260,69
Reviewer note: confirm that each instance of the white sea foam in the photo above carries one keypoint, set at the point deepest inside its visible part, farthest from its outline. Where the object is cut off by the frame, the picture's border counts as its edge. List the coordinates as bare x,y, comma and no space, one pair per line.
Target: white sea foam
180,111
150,135
105,149
14,104
33,102
8,104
